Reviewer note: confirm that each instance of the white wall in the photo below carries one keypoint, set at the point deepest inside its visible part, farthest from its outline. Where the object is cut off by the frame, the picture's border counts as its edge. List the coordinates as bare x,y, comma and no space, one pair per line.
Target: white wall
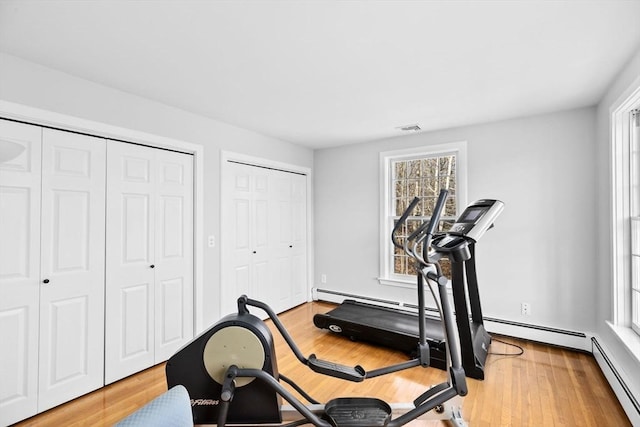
543,247
35,86
628,365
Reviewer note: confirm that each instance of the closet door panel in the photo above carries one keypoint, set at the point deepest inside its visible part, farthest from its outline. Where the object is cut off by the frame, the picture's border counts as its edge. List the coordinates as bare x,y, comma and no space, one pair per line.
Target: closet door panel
174,253
299,290
72,302
236,246
130,260
280,231
19,273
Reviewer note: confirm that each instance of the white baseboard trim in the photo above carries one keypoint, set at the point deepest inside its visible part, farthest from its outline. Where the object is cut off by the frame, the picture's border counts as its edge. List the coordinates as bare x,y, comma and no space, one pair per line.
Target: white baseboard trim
543,334
617,380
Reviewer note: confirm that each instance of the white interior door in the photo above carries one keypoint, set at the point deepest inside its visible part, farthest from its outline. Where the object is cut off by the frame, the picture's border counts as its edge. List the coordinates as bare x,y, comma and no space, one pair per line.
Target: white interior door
149,295
19,273
173,253
72,259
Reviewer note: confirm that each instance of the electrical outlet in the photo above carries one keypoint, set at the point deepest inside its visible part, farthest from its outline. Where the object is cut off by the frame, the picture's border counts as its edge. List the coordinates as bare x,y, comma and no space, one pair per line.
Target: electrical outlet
323,278
525,309
212,241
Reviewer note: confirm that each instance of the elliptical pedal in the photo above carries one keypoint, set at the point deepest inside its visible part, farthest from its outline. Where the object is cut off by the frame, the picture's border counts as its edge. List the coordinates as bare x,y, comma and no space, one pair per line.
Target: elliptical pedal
336,370
358,412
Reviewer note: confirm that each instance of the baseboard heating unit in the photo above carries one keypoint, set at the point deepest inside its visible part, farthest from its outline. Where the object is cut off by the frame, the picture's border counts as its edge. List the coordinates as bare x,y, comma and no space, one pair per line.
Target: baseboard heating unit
625,396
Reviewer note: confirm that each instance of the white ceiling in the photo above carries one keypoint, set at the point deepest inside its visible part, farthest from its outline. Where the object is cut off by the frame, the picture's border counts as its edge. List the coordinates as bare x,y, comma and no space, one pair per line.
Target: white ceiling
326,73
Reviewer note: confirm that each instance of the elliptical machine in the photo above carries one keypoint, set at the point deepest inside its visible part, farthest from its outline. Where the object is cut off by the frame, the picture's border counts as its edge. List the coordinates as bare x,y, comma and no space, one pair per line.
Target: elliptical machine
232,376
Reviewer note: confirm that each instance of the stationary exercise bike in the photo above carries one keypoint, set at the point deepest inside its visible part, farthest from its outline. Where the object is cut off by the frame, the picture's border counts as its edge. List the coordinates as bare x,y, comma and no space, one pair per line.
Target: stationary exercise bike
231,371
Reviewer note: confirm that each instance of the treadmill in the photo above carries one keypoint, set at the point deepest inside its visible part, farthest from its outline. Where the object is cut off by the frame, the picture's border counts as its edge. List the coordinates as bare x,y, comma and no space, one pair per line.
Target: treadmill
399,329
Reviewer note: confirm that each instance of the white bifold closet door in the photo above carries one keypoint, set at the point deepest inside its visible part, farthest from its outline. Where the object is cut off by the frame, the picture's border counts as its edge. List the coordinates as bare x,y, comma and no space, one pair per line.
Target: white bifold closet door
149,268
19,273
264,231
72,261
51,269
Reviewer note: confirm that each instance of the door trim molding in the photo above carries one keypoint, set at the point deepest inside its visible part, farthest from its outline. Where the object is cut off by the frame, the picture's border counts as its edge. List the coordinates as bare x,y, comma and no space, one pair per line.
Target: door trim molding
230,156
36,116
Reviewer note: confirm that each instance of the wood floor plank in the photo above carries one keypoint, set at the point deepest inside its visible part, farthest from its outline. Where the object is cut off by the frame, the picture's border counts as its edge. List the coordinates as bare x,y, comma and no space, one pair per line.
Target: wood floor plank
546,386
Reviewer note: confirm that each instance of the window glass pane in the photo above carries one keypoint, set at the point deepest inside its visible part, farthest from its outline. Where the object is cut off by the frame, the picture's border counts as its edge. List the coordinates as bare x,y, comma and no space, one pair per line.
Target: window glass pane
634,184
423,178
430,166
446,166
635,168
449,207
635,272
429,204
414,169
430,187
635,235
445,264
413,188
451,186
635,309
399,264
401,206
399,188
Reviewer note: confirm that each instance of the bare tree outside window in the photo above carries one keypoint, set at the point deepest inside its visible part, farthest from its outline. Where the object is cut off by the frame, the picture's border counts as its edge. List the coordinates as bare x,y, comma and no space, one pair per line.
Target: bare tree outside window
417,172
424,178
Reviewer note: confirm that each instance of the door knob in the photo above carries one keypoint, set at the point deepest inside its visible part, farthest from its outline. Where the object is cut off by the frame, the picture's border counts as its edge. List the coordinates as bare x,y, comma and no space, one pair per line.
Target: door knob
45,281
152,266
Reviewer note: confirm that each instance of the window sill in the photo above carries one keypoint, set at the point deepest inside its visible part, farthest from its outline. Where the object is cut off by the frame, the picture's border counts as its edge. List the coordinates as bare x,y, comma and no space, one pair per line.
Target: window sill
411,284
628,338
408,284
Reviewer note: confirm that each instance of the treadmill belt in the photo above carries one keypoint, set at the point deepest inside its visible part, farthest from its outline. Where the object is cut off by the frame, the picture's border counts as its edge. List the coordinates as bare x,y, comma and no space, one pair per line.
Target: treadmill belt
386,319
385,326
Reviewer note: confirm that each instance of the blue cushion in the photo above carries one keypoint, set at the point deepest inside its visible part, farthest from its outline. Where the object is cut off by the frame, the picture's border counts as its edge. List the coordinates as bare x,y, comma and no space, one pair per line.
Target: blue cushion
171,409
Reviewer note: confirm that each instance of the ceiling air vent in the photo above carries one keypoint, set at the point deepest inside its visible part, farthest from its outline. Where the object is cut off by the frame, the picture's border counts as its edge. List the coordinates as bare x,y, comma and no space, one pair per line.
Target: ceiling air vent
409,128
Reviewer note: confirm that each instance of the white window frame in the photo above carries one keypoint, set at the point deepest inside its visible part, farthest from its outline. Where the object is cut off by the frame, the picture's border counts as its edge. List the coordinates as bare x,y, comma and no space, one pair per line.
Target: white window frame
387,277
621,202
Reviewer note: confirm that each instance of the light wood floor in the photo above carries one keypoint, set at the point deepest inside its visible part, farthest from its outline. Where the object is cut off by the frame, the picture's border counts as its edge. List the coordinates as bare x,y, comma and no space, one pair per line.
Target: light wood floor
546,386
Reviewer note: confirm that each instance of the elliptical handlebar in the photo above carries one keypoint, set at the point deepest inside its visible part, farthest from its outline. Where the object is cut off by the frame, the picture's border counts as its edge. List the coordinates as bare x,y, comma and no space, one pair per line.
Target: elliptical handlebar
437,211
401,221
433,223
424,233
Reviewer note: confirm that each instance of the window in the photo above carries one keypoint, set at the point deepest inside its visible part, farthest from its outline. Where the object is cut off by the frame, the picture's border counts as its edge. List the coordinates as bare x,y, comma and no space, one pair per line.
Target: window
634,185
625,126
419,173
